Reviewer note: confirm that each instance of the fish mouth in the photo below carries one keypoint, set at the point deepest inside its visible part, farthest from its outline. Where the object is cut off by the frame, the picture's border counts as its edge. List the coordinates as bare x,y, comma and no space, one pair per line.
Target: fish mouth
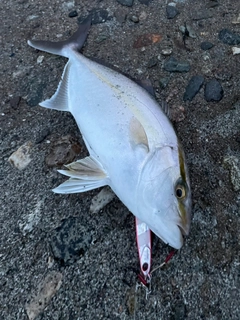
184,226
185,219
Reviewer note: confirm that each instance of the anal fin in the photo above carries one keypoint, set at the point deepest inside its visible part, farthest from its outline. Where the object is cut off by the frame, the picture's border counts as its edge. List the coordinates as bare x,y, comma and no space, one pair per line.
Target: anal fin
85,174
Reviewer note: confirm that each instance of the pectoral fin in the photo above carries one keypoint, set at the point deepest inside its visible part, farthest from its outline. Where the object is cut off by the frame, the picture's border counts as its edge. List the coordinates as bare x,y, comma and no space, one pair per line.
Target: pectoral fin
138,136
85,174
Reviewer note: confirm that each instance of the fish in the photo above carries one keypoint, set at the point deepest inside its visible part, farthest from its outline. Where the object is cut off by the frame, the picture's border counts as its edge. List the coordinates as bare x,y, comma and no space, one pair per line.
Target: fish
132,145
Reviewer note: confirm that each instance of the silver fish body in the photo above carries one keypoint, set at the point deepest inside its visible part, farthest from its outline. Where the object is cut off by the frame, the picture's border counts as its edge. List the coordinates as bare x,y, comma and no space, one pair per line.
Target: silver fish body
132,145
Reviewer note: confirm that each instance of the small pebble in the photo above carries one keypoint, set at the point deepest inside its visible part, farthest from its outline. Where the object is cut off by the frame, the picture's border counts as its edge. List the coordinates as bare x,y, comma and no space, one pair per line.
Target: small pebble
232,164
68,5
188,31
213,91
235,50
173,65
152,62
206,45
42,135
31,220
73,14
163,82
120,15
166,52
229,37
14,102
191,32
46,290
182,29
143,15
40,59
193,87
104,197
21,158
237,20
171,11
134,18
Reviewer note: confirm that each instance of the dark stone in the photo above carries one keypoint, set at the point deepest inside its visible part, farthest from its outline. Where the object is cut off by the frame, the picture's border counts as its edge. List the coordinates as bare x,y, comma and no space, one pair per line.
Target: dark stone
190,31
193,87
213,3
127,3
146,2
152,62
70,241
120,16
134,18
173,65
98,16
206,45
213,91
229,37
163,82
171,12
14,102
73,14
42,135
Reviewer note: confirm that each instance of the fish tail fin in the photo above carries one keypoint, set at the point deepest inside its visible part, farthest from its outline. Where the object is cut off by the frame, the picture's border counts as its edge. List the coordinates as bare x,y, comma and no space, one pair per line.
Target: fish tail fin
61,48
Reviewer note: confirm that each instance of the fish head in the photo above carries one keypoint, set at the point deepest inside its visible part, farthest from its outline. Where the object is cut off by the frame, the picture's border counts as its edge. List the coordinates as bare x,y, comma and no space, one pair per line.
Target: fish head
164,195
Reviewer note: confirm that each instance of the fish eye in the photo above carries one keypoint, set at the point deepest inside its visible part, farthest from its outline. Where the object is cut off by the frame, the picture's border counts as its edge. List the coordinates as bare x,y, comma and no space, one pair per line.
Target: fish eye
180,191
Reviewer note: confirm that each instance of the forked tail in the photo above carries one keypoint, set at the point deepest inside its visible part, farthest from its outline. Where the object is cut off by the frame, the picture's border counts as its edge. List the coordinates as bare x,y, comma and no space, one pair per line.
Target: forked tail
61,48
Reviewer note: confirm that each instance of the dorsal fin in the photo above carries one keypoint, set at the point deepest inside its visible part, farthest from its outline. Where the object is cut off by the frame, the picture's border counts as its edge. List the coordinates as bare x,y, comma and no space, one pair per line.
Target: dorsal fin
165,107
147,85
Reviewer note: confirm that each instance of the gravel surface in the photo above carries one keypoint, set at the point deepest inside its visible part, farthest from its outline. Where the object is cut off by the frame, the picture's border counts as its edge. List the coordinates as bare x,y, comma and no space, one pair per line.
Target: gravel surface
202,281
